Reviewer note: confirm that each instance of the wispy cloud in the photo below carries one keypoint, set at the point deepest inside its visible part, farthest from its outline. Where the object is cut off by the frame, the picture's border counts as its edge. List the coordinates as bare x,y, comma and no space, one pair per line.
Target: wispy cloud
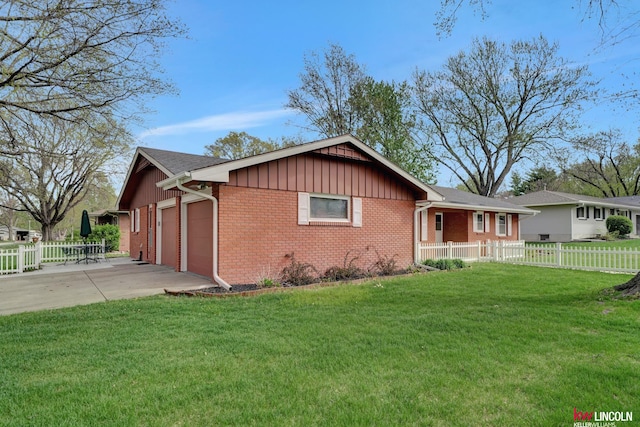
228,121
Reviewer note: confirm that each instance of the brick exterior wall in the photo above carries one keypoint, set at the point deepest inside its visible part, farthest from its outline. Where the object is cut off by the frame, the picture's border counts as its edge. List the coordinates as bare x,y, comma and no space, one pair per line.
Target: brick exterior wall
259,227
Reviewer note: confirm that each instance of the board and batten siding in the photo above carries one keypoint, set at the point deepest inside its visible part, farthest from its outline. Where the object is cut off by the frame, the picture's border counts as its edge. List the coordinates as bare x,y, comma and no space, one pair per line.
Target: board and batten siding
323,173
146,190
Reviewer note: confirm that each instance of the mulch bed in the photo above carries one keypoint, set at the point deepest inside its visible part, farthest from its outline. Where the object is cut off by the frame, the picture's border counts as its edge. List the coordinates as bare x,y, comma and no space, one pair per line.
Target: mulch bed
253,289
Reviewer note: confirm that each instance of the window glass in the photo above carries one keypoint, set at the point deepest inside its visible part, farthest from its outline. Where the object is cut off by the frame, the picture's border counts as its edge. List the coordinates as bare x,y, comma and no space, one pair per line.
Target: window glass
328,208
502,225
478,224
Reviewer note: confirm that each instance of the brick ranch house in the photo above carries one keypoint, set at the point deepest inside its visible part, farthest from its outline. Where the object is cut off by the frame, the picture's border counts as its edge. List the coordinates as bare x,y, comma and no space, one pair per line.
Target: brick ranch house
236,221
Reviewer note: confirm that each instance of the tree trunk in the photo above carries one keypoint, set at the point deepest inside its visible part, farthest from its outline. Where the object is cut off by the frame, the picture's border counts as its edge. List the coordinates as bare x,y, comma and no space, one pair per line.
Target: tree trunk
47,232
632,287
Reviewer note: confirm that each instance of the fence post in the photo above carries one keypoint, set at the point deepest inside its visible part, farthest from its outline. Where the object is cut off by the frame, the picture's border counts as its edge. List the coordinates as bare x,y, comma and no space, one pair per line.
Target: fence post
20,260
479,250
559,254
450,249
38,253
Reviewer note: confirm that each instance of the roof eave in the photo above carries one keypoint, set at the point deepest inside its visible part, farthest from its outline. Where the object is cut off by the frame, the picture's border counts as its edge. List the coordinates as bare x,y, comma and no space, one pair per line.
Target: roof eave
470,207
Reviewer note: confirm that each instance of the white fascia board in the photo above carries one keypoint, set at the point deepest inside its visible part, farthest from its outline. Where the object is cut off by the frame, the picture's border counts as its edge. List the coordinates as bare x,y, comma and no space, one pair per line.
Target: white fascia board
523,211
169,183
211,174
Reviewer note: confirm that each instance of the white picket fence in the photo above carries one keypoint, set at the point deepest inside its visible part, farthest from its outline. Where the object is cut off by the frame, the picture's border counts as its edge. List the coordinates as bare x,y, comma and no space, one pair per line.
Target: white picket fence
626,260
31,256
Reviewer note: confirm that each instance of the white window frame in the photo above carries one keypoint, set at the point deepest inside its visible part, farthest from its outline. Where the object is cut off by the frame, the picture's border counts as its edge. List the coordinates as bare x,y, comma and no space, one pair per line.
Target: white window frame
578,215
330,197
478,222
354,209
498,231
598,213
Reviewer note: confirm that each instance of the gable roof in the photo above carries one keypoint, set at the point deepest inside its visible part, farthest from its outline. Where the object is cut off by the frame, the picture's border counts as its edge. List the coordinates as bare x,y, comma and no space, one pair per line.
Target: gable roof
549,198
457,199
173,162
220,172
169,162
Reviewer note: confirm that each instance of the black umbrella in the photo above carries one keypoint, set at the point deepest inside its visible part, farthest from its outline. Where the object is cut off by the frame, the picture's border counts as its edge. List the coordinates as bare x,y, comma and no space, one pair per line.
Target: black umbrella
85,225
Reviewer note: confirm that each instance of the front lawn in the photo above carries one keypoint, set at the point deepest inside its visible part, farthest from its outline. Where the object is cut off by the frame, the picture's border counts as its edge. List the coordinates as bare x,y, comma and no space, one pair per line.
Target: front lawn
495,345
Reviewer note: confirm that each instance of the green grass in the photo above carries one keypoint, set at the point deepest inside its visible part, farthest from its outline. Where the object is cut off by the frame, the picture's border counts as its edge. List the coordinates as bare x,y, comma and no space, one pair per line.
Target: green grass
495,345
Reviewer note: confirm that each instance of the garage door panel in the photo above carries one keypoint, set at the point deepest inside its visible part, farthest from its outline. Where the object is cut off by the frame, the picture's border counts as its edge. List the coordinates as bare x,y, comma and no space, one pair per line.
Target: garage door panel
200,238
169,233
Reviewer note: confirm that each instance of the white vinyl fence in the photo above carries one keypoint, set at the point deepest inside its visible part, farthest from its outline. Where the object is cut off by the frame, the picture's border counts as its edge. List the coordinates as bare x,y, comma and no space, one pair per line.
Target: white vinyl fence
31,255
626,260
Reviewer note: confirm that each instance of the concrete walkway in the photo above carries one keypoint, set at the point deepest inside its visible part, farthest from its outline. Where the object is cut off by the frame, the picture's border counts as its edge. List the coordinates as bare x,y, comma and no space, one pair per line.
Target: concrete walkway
56,286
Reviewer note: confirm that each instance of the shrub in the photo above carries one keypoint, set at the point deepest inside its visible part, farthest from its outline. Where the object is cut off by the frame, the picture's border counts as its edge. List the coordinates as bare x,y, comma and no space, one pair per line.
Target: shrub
445,264
298,273
267,280
385,265
621,224
348,271
110,234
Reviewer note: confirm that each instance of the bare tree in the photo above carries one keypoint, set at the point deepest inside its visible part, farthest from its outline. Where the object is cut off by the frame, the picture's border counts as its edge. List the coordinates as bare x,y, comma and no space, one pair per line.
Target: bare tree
324,96
497,104
8,213
59,162
63,58
604,162
616,19
337,97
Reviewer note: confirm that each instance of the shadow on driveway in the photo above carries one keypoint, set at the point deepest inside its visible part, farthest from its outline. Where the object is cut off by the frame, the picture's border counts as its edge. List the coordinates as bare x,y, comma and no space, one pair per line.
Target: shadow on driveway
77,284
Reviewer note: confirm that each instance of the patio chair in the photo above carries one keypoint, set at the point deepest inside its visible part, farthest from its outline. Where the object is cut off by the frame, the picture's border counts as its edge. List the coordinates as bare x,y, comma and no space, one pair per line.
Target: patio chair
70,253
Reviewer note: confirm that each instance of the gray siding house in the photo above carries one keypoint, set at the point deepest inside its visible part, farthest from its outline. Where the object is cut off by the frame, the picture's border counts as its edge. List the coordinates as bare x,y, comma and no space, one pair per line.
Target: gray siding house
565,217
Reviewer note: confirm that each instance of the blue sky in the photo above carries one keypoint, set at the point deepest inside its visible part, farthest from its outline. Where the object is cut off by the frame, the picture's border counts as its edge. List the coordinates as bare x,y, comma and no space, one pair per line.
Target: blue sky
241,58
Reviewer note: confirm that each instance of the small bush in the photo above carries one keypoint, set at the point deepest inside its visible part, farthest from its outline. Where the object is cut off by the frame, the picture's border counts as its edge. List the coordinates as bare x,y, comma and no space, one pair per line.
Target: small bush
348,271
621,224
445,264
267,280
298,273
614,235
385,265
110,234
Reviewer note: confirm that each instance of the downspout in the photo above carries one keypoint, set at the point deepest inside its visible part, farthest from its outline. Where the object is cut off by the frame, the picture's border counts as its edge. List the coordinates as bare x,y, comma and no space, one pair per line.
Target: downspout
217,278
416,231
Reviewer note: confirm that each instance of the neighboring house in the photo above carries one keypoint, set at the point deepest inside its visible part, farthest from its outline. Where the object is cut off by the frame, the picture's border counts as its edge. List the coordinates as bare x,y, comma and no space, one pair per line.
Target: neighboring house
4,233
565,217
239,220
115,217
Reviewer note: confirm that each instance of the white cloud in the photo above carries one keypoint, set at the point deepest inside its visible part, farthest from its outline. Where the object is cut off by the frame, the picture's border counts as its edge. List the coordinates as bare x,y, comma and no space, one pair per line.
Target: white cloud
227,121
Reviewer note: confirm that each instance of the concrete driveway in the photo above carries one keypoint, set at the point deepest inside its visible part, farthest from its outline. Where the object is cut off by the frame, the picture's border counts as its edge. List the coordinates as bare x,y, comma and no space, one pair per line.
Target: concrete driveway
57,286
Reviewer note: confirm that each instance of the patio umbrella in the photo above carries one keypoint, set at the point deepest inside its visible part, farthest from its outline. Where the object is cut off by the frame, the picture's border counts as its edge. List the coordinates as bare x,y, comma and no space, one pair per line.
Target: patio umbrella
85,225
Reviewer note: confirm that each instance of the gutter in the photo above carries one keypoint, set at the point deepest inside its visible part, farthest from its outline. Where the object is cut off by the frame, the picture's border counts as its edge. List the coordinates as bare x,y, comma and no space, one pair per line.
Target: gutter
217,278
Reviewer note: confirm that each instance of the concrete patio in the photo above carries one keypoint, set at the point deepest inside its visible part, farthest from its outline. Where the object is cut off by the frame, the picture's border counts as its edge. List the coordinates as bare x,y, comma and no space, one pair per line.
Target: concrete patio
57,286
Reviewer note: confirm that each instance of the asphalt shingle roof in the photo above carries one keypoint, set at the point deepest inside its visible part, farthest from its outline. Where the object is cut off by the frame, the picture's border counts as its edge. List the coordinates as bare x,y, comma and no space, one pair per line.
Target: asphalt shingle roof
545,197
176,162
452,195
